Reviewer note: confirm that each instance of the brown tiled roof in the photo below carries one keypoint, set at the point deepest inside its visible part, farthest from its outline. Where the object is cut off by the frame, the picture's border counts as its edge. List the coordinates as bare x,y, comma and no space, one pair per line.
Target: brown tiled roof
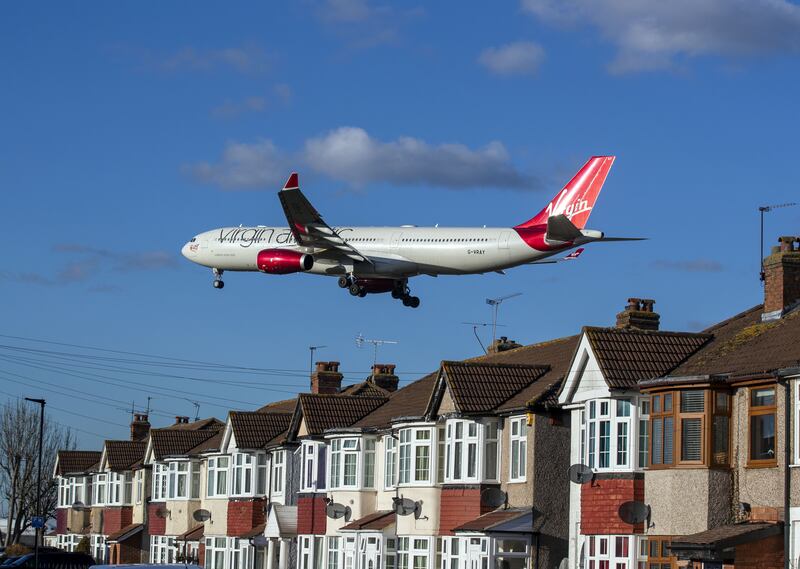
335,411
210,424
253,430
194,534
480,387
487,521
743,345
626,356
178,442
209,445
726,536
125,533
284,406
77,461
375,521
365,388
123,455
411,400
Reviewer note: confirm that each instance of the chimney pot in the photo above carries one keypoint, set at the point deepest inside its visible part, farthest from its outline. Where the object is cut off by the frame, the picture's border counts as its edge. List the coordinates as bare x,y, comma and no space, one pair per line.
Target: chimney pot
633,304
383,376
181,420
639,314
140,427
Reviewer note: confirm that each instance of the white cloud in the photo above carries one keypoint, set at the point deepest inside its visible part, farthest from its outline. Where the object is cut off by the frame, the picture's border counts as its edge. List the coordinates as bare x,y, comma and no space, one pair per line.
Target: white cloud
244,59
519,58
653,34
230,109
352,156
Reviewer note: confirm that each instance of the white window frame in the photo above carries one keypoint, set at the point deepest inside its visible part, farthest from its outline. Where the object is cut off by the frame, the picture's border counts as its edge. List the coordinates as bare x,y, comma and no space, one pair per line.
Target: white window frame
416,447
518,447
216,546
498,555
239,553
311,552
97,545
333,552
412,547
243,474
460,551
163,549
607,551
467,448
160,479
100,489
138,480
119,488
216,476
313,466
278,472
624,419
345,452
389,462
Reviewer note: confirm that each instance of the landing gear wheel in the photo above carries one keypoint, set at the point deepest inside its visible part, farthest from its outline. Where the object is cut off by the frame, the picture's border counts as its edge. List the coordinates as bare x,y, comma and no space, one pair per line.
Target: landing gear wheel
218,284
344,281
397,293
217,278
413,302
362,293
355,290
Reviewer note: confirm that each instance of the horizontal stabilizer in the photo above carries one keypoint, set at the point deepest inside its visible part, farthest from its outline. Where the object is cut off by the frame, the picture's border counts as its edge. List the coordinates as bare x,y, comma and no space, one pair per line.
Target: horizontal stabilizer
560,228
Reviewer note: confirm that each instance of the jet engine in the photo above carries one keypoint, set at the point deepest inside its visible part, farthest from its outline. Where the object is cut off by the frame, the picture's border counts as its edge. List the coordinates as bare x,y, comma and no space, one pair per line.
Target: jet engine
283,261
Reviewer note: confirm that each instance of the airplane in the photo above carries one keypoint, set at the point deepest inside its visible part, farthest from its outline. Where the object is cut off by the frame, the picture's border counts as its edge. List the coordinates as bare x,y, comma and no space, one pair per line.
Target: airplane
371,260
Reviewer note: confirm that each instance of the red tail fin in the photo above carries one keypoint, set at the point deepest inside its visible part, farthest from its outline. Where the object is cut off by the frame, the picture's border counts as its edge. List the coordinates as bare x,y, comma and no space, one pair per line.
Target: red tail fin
577,198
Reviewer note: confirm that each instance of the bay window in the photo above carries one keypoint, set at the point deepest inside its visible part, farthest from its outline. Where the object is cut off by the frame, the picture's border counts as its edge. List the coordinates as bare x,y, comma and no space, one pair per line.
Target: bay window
160,475
518,443
762,426
472,450
242,474
457,552
344,463
99,489
183,480
415,450
119,488
313,455
217,477
215,553
72,490
278,469
389,461
689,427
413,552
616,433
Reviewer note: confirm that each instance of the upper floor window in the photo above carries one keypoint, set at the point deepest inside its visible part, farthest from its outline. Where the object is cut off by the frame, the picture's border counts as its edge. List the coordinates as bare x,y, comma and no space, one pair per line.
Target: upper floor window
689,427
242,476
762,426
73,489
344,463
615,434
472,450
389,461
278,470
160,475
138,480
120,486
313,460
415,449
99,489
518,441
183,481
217,477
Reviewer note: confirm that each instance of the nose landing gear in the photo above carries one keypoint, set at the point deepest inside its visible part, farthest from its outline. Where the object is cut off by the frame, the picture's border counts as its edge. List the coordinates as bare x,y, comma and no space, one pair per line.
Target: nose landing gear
218,283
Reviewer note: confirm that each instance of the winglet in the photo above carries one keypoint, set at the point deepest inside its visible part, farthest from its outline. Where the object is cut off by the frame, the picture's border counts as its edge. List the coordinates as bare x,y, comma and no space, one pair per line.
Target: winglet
292,183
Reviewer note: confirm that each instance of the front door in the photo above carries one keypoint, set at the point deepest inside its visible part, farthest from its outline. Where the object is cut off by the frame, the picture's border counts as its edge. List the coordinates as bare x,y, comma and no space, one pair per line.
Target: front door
478,553
370,552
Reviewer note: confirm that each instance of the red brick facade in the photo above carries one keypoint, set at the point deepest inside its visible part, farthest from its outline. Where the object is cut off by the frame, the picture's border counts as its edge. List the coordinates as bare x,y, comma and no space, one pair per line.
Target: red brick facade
460,504
156,525
244,515
201,553
311,514
61,520
600,502
116,517
762,554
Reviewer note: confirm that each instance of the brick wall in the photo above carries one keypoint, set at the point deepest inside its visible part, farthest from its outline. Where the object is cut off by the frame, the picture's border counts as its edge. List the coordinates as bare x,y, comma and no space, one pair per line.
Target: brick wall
61,520
116,517
244,515
600,502
460,504
156,525
311,514
762,554
201,553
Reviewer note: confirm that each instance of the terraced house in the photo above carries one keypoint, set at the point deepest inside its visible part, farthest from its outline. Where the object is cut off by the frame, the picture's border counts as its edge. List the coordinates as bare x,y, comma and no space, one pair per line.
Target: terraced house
622,447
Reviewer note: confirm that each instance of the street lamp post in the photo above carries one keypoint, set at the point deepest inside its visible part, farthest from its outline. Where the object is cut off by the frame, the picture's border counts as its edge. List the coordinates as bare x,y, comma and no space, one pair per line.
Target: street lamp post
40,521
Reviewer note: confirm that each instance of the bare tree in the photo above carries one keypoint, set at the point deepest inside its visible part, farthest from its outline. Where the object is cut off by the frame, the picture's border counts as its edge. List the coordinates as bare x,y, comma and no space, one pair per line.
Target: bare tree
19,451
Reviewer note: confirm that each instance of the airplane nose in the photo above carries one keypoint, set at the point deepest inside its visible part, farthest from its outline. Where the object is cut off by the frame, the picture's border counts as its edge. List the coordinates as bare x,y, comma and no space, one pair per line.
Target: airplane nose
185,250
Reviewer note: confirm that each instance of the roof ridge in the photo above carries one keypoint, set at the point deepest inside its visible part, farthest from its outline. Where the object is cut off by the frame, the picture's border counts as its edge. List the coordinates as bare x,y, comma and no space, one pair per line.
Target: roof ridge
730,319
498,364
614,329
522,348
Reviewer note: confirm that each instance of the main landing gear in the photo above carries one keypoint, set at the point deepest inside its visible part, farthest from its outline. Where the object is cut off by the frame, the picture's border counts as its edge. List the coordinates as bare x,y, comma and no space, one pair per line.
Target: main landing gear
402,292
218,283
362,286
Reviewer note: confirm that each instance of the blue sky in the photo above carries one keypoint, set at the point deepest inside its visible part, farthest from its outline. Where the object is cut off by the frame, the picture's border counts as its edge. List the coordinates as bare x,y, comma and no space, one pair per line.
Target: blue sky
128,128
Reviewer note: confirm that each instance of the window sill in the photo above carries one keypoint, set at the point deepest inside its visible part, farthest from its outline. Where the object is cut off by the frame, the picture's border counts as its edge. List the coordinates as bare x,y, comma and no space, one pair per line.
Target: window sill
756,465
515,481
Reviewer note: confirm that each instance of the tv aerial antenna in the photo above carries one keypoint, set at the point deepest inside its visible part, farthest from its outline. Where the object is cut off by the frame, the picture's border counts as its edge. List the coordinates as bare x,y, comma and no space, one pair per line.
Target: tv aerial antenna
495,304
475,326
361,341
762,210
196,408
311,350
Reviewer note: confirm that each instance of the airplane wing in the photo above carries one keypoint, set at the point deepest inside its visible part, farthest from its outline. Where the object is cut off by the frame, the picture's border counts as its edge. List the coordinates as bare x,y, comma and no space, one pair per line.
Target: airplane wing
307,225
571,257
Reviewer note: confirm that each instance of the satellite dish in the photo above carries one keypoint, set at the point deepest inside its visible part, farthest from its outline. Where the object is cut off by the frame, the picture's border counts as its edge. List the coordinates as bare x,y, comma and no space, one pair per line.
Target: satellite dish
336,511
79,506
201,515
634,512
405,506
580,473
494,498
162,513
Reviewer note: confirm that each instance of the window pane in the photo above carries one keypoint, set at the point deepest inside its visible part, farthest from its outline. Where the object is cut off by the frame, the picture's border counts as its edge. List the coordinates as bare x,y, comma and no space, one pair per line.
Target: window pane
605,444
422,463
762,397
622,444
721,438
658,441
623,408
668,440
644,441
722,402
693,401
667,402
762,437
691,439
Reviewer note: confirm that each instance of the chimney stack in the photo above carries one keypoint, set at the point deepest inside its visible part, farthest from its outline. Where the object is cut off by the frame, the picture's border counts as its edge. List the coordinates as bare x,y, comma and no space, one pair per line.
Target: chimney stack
639,315
140,427
503,344
326,378
383,376
181,420
782,278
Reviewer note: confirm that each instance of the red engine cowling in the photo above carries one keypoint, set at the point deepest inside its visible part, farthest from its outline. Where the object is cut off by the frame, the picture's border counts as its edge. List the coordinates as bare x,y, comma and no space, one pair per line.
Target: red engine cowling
375,286
283,261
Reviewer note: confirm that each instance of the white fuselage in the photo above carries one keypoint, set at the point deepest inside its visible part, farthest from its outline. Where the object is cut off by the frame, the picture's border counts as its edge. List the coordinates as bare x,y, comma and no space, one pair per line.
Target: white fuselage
395,252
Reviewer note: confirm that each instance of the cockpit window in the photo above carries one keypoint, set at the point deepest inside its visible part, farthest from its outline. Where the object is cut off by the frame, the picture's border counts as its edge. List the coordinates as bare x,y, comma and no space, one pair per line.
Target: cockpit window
193,239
